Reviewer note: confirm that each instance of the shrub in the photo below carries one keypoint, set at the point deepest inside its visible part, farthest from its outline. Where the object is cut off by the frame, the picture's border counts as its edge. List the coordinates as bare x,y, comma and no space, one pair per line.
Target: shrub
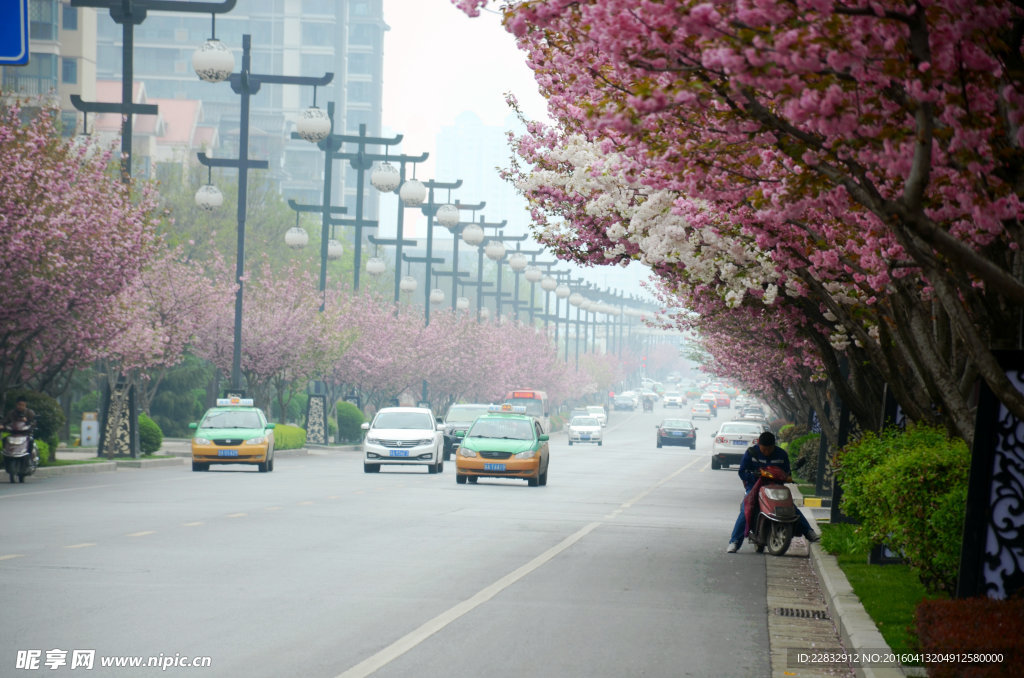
150,435
49,414
288,437
803,455
909,489
975,625
43,450
350,418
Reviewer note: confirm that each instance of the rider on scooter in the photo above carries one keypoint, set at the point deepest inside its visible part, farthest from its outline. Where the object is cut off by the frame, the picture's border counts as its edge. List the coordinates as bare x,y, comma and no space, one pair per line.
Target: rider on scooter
763,454
21,412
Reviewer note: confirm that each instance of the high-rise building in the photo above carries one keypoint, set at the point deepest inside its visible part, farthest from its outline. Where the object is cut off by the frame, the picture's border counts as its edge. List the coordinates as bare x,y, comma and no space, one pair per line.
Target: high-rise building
62,59
289,37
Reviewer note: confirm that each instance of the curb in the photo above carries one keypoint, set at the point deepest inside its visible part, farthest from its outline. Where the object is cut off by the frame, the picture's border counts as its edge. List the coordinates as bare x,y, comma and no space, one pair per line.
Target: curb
73,469
148,463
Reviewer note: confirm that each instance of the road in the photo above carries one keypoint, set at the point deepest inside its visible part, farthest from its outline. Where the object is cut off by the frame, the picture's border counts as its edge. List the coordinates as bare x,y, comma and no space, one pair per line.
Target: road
616,568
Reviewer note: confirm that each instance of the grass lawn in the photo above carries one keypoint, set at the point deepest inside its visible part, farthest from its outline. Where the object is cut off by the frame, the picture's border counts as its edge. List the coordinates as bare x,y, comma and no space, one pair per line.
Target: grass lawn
889,593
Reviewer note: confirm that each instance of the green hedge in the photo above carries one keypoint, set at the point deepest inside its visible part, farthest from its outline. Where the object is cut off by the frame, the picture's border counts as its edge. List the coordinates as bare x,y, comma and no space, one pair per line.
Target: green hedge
287,437
909,489
150,435
43,450
350,418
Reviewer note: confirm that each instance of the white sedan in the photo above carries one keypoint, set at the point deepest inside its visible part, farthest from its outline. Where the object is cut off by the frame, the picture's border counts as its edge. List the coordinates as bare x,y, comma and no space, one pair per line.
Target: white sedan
597,412
585,430
400,436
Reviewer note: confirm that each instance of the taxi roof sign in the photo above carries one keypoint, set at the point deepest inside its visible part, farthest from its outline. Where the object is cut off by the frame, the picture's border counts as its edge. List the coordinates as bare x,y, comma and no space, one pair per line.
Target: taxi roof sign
507,409
234,402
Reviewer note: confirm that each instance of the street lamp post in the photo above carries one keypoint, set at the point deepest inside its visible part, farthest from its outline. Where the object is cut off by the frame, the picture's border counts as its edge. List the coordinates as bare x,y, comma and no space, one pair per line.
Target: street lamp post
129,14
494,249
518,263
399,240
115,416
245,83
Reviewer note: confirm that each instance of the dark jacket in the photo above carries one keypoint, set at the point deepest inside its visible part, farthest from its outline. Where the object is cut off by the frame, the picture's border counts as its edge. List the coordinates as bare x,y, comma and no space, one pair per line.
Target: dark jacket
753,461
16,415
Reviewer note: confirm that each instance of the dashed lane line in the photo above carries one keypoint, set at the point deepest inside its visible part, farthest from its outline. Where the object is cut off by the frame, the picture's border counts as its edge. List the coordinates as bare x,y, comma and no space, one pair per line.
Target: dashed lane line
83,545
141,534
11,556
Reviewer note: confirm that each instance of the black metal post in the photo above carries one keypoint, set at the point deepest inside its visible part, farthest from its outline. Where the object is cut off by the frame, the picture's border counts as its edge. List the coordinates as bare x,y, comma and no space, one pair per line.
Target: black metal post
245,84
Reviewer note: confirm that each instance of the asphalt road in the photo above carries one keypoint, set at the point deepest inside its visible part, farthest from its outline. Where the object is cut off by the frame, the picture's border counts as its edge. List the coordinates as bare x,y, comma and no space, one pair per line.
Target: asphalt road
616,568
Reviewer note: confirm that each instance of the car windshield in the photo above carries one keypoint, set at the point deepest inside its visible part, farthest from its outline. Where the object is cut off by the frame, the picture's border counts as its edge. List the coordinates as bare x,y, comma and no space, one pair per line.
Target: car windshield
701,406
595,410
463,413
232,419
408,420
584,421
742,429
676,423
534,407
514,429
671,394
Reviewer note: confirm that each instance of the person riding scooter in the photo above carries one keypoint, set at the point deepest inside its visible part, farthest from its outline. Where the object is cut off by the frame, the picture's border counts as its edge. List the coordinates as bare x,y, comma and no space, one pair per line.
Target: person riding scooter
757,458
21,413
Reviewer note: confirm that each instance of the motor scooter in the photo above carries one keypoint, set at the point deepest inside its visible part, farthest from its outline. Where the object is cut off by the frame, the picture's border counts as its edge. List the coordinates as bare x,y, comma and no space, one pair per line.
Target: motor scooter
776,513
19,455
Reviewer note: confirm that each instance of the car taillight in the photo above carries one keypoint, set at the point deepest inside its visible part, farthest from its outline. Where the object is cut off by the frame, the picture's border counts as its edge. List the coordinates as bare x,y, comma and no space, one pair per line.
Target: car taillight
721,439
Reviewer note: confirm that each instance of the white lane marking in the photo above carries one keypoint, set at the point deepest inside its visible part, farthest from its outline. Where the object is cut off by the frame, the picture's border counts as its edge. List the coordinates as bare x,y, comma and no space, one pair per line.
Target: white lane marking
81,546
194,523
411,640
141,534
236,515
12,555
407,642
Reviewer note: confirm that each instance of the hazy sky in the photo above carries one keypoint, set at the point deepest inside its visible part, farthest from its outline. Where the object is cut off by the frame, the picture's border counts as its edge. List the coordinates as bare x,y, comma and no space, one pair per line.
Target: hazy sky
439,63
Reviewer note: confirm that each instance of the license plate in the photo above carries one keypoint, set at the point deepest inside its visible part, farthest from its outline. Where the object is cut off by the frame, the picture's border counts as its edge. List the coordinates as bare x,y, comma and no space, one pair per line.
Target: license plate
227,453
677,433
739,442
494,467
584,436
398,453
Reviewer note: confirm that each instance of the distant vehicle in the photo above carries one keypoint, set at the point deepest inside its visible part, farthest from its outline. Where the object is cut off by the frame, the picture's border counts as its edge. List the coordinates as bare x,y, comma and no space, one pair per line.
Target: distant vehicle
623,402
598,413
732,440
403,436
700,410
585,430
505,442
711,401
673,399
459,418
535,402
721,399
233,432
677,432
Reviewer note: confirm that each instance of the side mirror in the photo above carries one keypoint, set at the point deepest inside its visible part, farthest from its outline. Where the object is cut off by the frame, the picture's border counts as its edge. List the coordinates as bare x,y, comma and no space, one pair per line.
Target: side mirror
544,437
271,425
193,426
460,434
365,426
439,420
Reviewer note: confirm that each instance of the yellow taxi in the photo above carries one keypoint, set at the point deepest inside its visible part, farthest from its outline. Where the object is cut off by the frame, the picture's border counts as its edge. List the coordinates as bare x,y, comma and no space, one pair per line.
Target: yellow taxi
504,442
233,432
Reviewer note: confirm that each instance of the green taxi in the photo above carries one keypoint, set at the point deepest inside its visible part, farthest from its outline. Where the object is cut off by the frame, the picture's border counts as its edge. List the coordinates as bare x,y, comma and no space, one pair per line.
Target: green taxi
233,432
504,442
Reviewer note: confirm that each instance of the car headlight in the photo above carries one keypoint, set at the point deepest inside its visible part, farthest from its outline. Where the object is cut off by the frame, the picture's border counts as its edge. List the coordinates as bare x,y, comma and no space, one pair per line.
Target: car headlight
201,441
258,440
373,441
526,454
463,452
425,441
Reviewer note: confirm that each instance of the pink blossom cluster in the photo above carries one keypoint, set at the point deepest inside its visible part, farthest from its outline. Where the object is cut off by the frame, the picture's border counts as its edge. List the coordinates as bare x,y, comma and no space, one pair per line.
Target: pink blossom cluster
831,166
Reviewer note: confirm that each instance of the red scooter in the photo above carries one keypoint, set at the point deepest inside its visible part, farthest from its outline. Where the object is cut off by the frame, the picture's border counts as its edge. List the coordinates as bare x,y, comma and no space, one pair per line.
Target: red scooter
776,513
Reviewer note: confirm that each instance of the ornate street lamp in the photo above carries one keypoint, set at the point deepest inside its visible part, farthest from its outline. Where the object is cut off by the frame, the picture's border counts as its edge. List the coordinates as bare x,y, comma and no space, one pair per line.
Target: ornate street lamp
385,177
412,193
437,296
209,197
472,235
462,303
213,62
296,237
448,216
562,291
313,125
375,266
533,274
334,249
408,284
548,284
494,250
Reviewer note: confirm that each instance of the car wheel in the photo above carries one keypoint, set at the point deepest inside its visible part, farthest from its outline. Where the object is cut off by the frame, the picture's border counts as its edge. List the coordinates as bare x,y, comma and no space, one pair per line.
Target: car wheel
472,480
432,468
197,466
533,482
715,464
263,466
659,443
544,477
693,446
440,466
570,443
270,464
460,478
371,468
600,443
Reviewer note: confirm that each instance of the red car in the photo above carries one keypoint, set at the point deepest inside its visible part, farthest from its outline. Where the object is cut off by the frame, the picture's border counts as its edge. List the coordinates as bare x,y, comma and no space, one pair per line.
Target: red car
722,399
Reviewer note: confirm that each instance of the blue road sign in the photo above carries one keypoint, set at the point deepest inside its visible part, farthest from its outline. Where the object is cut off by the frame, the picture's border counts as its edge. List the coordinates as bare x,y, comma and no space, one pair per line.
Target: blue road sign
13,32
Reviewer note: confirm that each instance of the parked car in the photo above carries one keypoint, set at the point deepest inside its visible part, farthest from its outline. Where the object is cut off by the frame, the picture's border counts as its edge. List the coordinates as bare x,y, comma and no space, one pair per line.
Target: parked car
731,440
585,430
700,411
402,436
673,399
598,413
459,418
677,432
